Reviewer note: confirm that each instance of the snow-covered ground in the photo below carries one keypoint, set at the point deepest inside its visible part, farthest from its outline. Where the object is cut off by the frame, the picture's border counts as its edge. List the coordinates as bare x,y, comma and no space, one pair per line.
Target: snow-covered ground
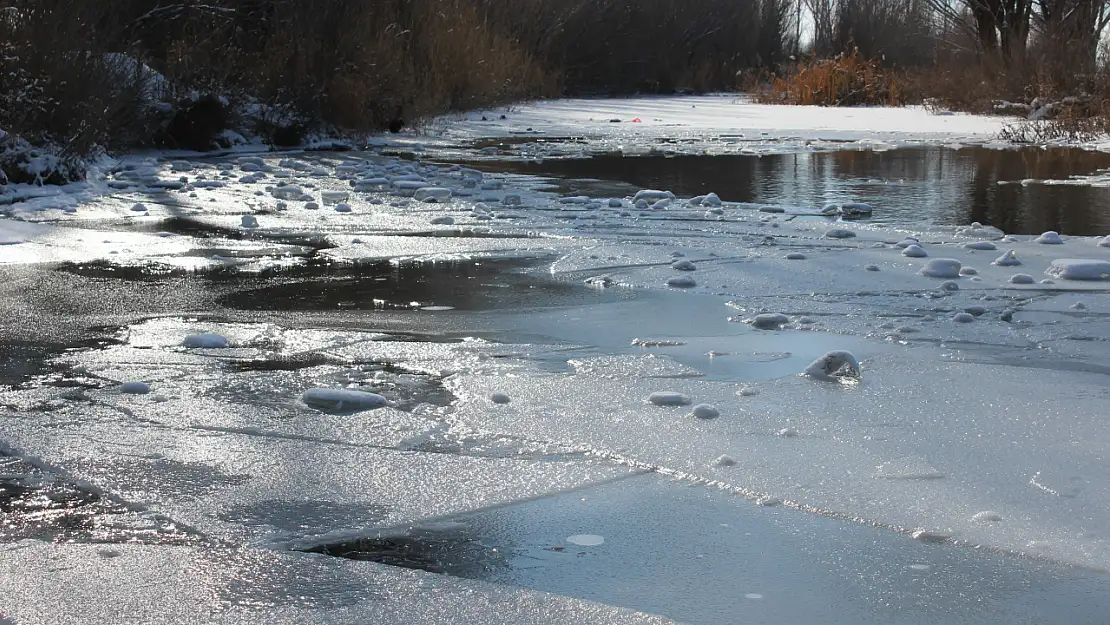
723,124
309,400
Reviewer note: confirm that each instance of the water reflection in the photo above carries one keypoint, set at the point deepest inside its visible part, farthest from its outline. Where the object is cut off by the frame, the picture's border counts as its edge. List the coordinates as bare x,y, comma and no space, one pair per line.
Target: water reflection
911,185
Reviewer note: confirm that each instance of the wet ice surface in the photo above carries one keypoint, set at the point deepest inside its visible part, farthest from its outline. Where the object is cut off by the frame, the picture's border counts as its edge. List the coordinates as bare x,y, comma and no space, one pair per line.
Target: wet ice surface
655,544
381,383
93,584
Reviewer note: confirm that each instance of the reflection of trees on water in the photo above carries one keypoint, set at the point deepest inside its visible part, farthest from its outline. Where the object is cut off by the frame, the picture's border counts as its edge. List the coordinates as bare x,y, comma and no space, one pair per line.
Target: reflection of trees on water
1035,208
926,184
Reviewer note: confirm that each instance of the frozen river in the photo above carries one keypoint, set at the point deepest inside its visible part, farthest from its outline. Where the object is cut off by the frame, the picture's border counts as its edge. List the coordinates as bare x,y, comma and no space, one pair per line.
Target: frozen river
547,368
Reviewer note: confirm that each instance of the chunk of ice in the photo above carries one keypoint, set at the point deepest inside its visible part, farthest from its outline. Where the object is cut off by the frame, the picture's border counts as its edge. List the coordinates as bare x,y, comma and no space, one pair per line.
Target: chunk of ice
668,398
342,399
987,516
205,341
134,388
586,540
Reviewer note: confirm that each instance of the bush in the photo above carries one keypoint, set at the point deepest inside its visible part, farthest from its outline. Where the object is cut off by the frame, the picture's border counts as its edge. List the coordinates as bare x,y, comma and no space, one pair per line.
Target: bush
847,80
197,125
22,163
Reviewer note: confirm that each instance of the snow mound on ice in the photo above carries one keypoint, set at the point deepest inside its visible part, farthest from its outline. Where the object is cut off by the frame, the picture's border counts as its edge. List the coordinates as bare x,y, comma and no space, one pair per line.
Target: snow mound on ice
652,195
1049,238
981,246
839,233
342,400
769,321
682,282
1079,269
941,268
1009,259
834,366
683,265
1021,278
914,251
705,411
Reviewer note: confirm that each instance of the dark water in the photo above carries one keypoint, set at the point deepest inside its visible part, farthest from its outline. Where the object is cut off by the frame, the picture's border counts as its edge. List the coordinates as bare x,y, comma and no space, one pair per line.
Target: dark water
470,286
913,185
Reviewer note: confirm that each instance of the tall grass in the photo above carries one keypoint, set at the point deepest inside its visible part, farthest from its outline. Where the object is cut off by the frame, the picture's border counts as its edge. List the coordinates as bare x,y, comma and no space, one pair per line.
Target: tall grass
847,80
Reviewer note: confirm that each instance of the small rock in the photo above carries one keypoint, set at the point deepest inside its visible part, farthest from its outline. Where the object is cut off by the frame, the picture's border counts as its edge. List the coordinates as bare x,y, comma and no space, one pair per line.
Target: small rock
499,398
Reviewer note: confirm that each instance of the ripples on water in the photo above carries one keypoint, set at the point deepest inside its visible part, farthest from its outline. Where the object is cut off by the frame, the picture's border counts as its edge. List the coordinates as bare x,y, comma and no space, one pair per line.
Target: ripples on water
934,185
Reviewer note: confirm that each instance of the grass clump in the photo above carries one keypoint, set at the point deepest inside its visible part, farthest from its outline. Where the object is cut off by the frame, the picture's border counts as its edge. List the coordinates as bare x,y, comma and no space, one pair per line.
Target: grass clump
846,80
